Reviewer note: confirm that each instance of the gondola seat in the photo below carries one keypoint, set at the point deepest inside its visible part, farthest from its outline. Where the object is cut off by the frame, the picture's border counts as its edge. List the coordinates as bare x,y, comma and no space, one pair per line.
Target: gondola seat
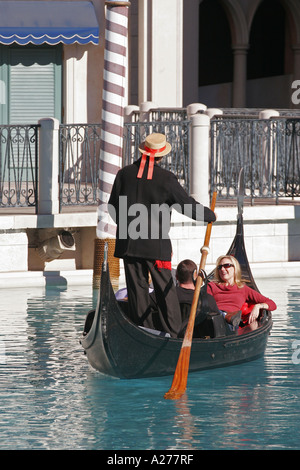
214,326
156,332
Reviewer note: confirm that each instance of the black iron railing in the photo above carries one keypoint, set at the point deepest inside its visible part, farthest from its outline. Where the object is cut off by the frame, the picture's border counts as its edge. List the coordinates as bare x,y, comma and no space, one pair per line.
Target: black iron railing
268,150
79,157
18,165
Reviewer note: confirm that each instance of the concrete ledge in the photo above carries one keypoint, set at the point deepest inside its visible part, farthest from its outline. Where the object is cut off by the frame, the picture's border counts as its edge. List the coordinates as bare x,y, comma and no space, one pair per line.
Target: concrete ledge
73,219
250,213
272,235
90,218
84,277
46,278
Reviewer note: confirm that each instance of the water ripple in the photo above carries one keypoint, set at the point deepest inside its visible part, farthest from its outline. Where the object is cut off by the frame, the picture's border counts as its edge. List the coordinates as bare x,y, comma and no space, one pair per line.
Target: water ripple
52,399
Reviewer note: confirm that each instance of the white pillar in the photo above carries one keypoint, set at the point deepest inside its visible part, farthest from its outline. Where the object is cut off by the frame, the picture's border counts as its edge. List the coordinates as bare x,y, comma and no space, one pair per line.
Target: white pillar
268,113
194,108
48,186
166,52
129,111
144,50
145,108
200,158
211,112
129,116
76,97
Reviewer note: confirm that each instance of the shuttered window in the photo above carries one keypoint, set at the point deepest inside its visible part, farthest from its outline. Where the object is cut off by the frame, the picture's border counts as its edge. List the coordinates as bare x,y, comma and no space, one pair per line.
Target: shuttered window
30,89
32,79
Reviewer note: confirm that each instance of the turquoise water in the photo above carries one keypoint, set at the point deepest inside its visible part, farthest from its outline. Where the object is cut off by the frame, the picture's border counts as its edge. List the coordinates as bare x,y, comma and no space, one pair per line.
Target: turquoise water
51,398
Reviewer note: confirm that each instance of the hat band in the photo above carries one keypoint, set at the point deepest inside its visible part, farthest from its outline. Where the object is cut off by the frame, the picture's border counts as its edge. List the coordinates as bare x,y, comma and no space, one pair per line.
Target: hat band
148,149
151,161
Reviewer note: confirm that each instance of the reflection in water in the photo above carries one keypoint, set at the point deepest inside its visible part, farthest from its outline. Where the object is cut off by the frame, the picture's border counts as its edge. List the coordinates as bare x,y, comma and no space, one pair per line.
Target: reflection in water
43,361
52,399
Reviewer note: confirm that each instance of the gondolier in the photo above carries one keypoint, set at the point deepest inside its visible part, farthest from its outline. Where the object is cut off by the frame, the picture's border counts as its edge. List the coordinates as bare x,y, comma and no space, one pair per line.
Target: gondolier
115,346
141,201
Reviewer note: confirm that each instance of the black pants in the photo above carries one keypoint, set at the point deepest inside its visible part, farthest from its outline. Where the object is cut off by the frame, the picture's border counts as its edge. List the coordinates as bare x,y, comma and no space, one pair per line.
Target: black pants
165,315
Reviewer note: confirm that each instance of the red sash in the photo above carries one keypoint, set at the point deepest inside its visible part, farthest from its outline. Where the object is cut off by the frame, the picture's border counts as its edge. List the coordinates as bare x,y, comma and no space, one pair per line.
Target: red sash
163,264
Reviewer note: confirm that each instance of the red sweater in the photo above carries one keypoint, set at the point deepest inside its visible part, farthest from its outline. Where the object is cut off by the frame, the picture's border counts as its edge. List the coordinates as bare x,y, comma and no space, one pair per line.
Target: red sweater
231,298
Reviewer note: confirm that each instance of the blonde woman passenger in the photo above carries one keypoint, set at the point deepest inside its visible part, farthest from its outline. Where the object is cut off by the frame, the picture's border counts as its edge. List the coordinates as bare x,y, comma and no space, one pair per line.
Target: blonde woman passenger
231,293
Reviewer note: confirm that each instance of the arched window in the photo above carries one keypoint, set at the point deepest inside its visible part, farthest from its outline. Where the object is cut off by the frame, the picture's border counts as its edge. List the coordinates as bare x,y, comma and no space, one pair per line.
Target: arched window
215,53
267,41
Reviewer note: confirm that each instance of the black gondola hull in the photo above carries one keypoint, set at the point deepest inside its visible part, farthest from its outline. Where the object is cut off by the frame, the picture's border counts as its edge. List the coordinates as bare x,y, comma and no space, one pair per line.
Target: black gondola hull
117,347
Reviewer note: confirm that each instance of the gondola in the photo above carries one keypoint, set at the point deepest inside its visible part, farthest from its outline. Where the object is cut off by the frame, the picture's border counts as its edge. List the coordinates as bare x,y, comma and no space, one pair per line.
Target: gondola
117,347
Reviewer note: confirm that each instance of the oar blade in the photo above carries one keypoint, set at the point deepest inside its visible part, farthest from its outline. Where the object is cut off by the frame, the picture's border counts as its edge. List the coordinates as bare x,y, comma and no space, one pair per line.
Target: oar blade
179,383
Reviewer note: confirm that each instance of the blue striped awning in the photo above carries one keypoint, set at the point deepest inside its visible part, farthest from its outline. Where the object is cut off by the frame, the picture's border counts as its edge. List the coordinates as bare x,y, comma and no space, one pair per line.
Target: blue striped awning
50,22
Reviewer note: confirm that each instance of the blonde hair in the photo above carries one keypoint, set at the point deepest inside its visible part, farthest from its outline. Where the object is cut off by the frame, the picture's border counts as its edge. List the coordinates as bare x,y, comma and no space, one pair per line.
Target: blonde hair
237,270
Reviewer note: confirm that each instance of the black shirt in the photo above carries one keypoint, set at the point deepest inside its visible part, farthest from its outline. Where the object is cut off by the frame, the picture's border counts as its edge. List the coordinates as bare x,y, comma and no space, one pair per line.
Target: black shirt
143,214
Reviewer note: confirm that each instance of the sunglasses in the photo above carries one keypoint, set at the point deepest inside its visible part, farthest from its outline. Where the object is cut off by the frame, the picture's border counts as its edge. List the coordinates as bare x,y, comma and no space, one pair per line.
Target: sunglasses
226,266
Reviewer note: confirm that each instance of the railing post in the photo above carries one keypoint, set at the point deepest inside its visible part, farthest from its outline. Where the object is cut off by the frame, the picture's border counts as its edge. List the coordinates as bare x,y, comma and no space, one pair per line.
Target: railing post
213,161
269,152
194,108
128,146
129,112
145,108
211,112
48,186
200,158
268,113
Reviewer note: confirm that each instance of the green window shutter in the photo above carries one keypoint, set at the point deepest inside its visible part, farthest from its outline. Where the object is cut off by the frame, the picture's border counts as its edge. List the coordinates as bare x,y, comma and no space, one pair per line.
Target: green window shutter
30,89
35,84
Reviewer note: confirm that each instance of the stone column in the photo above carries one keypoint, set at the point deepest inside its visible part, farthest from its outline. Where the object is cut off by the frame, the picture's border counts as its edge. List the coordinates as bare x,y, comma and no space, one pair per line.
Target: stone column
160,38
48,186
295,91
296,71
199,175
239,75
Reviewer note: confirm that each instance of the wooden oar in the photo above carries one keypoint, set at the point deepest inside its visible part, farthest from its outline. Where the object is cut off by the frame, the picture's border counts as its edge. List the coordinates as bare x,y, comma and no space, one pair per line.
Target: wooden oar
179,383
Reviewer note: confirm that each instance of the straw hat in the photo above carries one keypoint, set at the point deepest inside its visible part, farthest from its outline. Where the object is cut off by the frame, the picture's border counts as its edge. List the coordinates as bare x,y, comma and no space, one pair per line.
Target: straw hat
155,144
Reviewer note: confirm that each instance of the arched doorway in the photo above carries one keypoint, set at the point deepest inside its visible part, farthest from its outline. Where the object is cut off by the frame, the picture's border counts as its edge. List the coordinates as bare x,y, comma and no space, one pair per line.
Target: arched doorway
267,41
215,55
267,68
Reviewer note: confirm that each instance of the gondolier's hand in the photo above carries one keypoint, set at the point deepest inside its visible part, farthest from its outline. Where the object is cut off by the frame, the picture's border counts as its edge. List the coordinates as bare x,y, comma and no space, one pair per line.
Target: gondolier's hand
255,311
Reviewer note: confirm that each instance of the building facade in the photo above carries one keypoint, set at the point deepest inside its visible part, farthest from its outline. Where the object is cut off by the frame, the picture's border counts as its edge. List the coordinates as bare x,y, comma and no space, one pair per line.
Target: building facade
225,54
